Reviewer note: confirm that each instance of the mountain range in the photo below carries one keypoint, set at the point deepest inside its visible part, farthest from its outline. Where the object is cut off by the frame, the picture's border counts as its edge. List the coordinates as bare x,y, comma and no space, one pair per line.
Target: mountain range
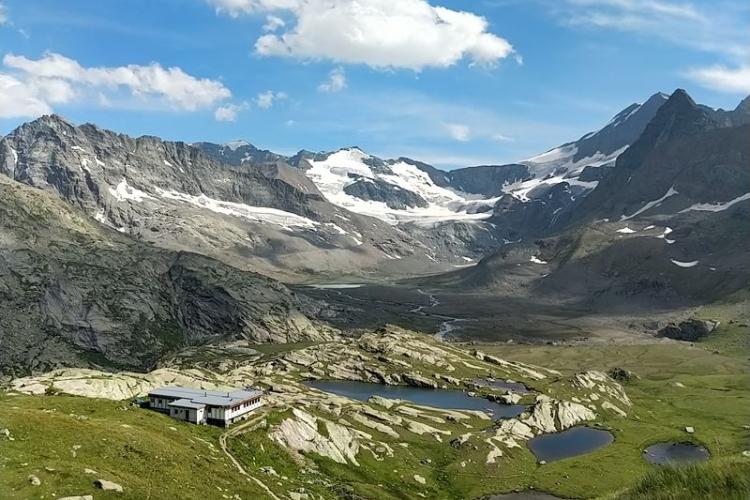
116,250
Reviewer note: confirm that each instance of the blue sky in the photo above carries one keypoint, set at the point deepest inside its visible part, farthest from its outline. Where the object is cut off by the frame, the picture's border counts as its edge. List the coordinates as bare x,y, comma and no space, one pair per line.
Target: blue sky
448,82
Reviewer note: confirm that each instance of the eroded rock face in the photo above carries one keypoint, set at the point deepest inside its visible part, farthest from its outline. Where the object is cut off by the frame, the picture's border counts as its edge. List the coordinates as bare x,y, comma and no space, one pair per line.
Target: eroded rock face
92,296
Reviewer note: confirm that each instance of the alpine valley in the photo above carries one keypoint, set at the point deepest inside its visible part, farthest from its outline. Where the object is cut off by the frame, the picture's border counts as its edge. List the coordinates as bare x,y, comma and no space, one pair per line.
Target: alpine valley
601,286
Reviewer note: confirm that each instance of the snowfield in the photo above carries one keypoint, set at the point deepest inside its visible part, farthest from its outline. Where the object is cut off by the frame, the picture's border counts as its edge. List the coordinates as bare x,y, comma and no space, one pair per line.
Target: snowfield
124,192
347,166
266,215
716,207
651,204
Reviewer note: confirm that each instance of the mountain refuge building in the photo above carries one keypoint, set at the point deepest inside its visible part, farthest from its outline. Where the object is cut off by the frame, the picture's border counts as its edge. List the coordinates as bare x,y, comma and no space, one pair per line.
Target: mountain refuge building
199,406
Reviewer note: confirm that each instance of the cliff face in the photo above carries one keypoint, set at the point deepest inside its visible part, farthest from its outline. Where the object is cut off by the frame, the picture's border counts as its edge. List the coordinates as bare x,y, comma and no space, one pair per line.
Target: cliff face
75,293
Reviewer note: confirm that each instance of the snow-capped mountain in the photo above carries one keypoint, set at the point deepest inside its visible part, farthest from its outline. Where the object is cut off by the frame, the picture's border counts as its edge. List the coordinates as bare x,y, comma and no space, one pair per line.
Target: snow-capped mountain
404,190
669,222
393,190
583,163
344,211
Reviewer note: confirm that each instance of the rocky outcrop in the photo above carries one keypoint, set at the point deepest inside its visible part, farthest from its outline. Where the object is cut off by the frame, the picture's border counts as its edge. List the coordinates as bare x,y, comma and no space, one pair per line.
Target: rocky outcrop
393,196
524,369
300,433
689,330
115,386
312,423
106,485
601,386
550,415
417,380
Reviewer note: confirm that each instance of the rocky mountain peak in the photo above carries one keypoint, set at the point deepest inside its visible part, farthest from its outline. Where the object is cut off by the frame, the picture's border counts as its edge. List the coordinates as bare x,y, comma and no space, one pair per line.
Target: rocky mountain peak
679,115
744,105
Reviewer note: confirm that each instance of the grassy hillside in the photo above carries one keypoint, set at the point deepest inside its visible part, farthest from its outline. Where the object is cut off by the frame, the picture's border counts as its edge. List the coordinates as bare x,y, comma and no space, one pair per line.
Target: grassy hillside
676,385
704,385
725,480
57,438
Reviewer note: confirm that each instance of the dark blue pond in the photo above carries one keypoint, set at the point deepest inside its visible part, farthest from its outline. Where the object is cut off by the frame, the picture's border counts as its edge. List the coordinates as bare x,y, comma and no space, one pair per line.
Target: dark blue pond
675,453
436,398
570,443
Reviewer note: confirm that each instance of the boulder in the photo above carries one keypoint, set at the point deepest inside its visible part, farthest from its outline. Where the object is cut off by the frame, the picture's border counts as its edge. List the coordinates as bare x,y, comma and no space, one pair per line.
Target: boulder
689,330
493,454
269,470
34,481
416,380
381,401
621,375
460,440
103,484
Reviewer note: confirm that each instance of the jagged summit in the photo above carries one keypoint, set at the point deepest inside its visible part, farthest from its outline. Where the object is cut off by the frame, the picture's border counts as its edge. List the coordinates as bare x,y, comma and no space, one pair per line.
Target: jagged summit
744,105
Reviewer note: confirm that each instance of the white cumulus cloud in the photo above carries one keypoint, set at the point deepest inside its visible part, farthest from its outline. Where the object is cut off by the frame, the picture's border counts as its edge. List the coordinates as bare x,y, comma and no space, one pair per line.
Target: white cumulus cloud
722,78
380,33
229,112
18,100
56,79
336,81
266,99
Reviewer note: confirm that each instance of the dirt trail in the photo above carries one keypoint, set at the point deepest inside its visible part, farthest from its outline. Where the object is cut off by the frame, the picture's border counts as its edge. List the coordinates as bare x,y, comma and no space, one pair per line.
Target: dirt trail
236,431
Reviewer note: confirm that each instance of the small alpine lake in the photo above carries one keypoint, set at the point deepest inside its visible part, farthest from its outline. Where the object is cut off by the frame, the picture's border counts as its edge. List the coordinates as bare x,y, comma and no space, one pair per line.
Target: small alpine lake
436,398
569,443
675,453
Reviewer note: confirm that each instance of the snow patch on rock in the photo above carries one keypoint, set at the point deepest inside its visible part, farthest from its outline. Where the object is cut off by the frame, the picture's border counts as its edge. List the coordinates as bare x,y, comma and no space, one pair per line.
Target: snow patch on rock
684,264
125,192
253,213
716,207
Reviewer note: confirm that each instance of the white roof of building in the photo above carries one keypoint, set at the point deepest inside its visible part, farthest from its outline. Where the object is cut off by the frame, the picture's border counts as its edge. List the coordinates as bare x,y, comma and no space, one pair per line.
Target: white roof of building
186,403
206,397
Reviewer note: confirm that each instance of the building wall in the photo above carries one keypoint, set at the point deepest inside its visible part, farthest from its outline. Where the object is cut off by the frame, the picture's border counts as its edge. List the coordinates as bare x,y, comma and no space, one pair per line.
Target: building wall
211,414
160,403
193,416
215,413
234,415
